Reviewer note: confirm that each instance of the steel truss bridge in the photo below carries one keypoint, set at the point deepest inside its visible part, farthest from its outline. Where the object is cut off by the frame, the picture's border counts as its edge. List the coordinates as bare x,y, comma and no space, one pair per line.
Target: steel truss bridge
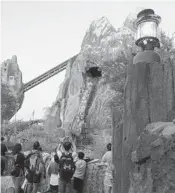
50,73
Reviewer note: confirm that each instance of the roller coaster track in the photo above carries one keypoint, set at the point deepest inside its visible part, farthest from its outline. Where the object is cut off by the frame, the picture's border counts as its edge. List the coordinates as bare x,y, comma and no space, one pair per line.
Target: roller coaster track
45,76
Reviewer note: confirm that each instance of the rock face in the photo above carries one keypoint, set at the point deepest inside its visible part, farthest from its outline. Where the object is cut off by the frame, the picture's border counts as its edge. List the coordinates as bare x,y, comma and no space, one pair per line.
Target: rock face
11,74
149,98
94,177
94,84
11,78
154,160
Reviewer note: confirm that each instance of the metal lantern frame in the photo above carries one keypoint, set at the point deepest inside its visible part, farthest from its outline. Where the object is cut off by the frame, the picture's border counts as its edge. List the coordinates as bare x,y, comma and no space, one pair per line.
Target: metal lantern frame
150,40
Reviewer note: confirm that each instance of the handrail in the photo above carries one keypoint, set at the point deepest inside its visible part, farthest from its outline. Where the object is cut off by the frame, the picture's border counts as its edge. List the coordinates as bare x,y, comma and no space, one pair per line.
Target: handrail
45,76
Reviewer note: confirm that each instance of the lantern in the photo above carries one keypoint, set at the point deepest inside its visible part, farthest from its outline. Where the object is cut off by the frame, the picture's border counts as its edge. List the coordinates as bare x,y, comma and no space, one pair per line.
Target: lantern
147,35
147,29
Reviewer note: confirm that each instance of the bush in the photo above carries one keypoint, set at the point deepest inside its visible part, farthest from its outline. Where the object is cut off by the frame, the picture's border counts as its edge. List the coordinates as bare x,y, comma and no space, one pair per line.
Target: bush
47,141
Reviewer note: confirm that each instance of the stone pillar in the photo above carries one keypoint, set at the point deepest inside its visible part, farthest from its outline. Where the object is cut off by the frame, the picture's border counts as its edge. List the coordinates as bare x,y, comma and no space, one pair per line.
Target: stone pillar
146,101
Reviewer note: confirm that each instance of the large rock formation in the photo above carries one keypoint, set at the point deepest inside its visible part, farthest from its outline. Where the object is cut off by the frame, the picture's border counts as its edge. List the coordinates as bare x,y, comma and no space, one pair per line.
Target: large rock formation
154,160
94,84
149,98
11,88
91,96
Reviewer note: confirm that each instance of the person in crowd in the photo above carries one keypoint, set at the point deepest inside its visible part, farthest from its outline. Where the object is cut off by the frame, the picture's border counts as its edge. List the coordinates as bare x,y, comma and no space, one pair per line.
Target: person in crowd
18,172
60,149
34,165
4,150
107,160
53,173
80,169
67,168
42,161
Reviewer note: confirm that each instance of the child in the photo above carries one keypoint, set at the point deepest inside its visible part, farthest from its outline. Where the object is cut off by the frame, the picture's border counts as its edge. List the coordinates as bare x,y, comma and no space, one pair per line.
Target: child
53,172
80,169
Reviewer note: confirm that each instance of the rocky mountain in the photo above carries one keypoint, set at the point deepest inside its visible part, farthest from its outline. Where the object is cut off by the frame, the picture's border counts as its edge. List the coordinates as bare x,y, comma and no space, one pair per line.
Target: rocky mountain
93,85
93,88
11,88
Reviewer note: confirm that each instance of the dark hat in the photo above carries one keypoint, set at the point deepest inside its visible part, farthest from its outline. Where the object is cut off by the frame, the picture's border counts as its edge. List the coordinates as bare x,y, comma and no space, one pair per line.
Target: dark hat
2,139
36,145
67,145
17,148
109,146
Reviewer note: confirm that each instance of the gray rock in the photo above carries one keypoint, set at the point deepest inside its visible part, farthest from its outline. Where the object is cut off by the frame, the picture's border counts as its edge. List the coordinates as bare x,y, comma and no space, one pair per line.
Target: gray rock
156,173
12,77
87,101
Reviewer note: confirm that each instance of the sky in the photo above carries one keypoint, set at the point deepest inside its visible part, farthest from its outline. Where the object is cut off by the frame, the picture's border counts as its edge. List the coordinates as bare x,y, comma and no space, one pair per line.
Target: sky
44,34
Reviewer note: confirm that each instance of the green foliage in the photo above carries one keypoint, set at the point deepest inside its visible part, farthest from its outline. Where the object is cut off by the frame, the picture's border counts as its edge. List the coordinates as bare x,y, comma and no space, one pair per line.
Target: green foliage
36,133
8,102
167,49
167,42
26,134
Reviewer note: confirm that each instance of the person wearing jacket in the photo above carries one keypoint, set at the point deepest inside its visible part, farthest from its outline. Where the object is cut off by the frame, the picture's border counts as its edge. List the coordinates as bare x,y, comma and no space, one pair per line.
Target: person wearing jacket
107,160
18,172
34,165
53,173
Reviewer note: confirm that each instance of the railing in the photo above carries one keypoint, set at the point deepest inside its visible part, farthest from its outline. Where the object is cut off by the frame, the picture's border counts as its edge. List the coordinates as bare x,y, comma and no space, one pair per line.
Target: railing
45,76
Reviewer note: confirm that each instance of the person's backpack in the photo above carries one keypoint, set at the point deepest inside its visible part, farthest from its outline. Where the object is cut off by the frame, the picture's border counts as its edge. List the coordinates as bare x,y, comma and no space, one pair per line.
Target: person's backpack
67,166
32,164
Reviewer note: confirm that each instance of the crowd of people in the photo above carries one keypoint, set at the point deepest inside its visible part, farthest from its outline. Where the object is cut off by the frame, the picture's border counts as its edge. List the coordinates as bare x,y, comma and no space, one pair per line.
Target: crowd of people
66,169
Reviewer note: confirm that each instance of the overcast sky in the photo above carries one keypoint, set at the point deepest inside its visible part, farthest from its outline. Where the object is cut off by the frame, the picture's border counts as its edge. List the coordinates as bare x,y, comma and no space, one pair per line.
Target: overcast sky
44,34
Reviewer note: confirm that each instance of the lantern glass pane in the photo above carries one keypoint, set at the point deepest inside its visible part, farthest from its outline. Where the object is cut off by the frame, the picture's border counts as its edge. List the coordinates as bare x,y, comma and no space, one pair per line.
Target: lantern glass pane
146,29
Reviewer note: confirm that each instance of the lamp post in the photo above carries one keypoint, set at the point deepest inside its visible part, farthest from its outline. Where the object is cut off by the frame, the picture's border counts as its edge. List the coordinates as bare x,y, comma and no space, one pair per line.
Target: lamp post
146,25
144,86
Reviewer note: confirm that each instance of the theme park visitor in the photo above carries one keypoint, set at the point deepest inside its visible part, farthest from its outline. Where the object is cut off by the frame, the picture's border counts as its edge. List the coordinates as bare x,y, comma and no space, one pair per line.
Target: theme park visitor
67,168
107,159
3,156
34,165
18,171
53,173
80,169
60,149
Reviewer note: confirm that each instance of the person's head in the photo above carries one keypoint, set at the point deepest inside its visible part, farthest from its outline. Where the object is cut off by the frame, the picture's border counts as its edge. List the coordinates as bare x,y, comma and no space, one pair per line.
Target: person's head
109,146
17,148
67,146
2,139
56,158
36,145
2,166
40,149
80,155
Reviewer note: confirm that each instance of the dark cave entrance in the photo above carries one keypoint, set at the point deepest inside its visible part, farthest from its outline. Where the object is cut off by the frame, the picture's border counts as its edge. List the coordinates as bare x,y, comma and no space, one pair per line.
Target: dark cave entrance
94,72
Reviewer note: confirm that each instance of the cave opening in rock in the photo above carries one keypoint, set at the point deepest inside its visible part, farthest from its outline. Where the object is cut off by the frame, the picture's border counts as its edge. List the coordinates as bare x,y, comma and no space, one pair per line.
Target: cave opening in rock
94,72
